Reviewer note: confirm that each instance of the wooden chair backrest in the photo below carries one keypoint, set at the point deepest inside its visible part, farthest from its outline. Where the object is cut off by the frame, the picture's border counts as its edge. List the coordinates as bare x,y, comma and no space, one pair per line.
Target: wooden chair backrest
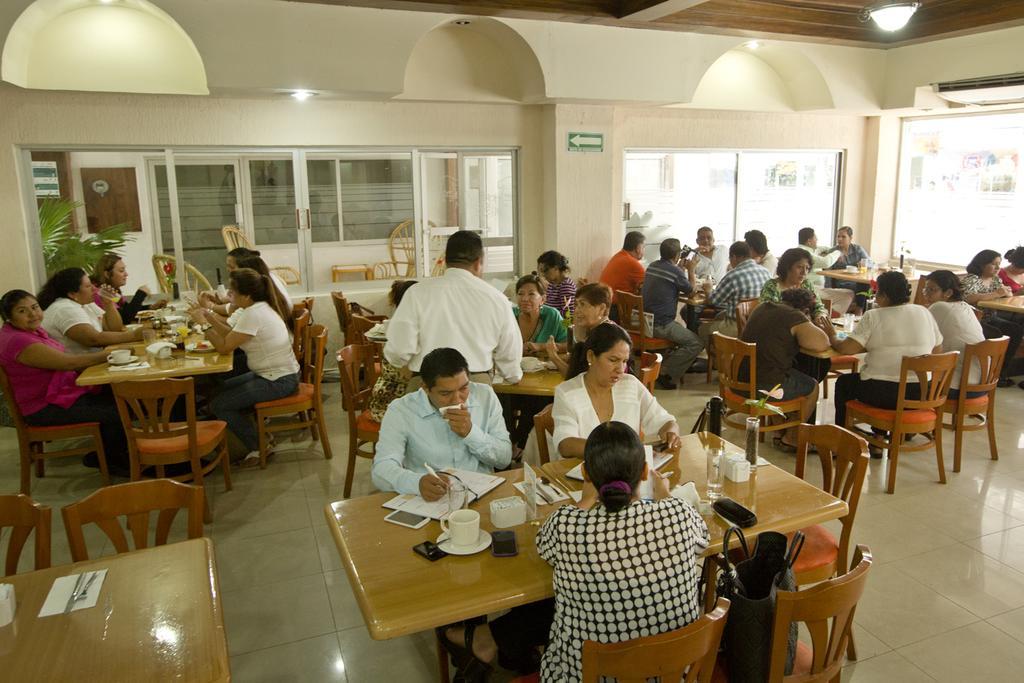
650,366
288,275
145,409
832,601
844,464
544,424
191,280
356,363
300,339
691,650
12,405
402,248
305,304
730,353
919,291
135,501
235,237
743,310
631,313
159,260
344,313
384,270
316,346
934,373
988,356
359,327
23,515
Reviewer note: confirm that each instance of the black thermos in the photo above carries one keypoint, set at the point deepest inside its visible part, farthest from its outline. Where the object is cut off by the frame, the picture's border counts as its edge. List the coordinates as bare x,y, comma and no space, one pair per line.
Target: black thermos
715,407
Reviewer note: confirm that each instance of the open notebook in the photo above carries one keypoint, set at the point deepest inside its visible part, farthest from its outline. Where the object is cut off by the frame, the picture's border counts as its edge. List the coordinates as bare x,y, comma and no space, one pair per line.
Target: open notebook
654,460
478,484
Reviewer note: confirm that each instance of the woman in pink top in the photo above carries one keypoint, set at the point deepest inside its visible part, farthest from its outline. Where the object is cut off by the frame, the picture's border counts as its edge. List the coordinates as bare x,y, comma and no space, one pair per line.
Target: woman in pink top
42,377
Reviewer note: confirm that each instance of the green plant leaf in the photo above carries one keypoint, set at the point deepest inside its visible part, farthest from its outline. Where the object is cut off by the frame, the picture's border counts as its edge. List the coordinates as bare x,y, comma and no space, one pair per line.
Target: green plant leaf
64,247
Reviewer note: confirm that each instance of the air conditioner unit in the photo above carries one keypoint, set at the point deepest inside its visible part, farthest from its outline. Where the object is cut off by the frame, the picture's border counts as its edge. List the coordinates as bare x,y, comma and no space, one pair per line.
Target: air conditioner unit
1004,89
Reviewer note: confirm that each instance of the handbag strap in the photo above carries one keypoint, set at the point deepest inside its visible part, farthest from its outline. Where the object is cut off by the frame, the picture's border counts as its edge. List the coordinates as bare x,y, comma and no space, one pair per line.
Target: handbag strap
733,530
795,546
702,419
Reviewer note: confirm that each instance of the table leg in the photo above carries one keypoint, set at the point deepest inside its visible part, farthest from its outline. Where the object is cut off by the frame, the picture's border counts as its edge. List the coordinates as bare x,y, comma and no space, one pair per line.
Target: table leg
442,662
710,577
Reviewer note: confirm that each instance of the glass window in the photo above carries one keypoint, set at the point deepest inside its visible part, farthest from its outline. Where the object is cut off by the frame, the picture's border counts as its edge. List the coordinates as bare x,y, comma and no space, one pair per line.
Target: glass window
272,192
376,195
959,179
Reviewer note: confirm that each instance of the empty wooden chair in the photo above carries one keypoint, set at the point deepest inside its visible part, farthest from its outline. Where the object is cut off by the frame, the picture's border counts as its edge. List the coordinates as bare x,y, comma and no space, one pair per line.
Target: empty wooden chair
911,416
32,441
154,440
23,515
732,354
135,501
543,426
827,611
191,280
300,336
306,404
650,367
988,356
235,237
356,363
631,318
687,654
288,275
305,304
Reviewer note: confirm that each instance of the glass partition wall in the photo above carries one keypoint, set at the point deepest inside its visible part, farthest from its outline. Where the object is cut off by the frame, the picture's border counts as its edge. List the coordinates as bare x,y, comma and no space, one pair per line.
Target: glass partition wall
318,217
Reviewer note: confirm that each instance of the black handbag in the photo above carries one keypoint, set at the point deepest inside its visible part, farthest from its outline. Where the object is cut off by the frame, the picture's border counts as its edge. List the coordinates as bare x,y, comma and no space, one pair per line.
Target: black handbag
751,586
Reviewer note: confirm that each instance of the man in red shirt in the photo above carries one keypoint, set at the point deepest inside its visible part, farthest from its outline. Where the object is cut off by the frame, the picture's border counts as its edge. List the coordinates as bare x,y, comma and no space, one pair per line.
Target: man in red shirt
624,271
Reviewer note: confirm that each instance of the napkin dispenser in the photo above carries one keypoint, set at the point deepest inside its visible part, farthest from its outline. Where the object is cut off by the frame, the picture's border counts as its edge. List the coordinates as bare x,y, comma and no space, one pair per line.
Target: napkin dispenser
7,604
736,468
160,349
508,512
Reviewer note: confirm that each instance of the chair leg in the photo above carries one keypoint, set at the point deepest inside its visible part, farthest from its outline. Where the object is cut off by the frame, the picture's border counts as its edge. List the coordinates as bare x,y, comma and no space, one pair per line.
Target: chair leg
350,469
991,424
262,432
101,456
321,430
313,433
958,440
225,463
851,648
895,438
26,469
938,453
824,387
442,661
40,465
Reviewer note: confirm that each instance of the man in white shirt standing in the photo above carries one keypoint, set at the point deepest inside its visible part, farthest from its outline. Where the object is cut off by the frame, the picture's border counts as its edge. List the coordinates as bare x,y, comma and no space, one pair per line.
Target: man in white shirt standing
712,259
822,259
460,311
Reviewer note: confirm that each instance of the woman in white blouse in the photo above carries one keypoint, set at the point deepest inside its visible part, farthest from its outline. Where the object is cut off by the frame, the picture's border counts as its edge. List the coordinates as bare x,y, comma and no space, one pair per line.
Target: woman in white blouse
74,320
957,323
603,391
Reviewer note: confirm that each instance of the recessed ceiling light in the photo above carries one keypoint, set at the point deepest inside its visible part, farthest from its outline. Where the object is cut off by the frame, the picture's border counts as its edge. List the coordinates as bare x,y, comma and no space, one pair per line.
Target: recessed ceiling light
303,95
462,22
890,15
753,45
106,2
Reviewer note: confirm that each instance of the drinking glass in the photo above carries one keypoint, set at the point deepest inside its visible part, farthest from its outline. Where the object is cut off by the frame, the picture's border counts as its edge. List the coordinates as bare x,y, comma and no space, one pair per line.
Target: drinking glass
148,335
714,455
848,322
457,496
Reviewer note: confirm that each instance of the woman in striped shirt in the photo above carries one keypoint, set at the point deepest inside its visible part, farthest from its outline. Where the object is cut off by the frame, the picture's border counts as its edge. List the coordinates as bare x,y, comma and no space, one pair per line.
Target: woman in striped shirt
561,294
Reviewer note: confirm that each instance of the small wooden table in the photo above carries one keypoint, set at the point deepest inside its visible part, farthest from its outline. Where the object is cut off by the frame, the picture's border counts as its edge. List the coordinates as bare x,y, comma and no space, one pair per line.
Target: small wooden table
176,366
1012,304
532,384
400,592
359,269
158,618
864,278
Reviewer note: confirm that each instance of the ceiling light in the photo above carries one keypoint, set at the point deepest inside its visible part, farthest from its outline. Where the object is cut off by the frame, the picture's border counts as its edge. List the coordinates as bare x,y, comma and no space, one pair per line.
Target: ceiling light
462,22
303,95
753,45
890,16
106,2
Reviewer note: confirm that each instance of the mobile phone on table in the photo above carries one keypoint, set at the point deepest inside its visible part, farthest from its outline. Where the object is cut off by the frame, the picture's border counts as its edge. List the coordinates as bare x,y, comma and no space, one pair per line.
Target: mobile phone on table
429,550
407,519
503,543
731,511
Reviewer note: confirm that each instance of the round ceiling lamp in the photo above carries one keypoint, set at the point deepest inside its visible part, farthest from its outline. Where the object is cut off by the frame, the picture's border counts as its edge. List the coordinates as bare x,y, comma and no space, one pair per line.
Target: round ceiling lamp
890,16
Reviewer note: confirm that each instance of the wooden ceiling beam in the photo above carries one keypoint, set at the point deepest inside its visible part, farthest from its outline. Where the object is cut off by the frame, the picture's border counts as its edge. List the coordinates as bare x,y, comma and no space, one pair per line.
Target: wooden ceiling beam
526,9
651,10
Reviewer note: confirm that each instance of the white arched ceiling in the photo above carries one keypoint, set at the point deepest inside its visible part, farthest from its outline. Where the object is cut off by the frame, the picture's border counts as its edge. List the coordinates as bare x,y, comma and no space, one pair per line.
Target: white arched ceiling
484,61
125,46
770,78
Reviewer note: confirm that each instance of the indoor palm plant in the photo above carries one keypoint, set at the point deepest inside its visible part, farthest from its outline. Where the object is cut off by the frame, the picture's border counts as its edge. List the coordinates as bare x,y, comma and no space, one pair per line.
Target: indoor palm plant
65,247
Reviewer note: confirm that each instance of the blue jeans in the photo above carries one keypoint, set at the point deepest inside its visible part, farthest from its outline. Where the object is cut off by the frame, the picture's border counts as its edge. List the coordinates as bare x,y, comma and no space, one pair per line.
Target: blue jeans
679,359
238,396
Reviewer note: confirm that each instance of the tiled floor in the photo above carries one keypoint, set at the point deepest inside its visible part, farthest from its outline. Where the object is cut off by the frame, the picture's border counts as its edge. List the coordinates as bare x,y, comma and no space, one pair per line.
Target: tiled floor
945,599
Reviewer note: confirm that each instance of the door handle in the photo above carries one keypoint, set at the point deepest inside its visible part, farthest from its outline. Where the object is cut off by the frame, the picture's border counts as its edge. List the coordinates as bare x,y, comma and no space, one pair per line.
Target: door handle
298,221
309,220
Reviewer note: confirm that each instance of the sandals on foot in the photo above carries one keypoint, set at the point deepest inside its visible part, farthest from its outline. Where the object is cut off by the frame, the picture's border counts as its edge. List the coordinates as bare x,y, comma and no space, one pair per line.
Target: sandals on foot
469,669
781,445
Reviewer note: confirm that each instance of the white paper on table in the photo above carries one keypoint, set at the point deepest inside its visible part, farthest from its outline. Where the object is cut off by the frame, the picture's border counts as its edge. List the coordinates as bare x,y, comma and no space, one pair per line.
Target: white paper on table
654,460
61,591
478,484
556,495
129,367
529,488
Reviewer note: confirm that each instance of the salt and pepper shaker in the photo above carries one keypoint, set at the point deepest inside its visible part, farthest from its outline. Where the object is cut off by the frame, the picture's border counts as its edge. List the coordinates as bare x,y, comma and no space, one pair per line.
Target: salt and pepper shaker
753,426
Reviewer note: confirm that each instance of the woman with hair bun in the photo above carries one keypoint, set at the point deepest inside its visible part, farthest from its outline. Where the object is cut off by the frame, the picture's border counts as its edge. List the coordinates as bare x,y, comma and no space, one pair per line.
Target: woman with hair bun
623,568
887,333
261,330
561,290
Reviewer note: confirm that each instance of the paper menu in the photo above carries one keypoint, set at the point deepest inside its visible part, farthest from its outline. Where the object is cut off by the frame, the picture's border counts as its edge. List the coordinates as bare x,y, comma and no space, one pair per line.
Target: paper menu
654,460
478,484
61,591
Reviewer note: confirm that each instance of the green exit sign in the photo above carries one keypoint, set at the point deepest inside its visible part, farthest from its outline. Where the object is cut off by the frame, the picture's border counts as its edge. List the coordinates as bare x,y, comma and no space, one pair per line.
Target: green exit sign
586,142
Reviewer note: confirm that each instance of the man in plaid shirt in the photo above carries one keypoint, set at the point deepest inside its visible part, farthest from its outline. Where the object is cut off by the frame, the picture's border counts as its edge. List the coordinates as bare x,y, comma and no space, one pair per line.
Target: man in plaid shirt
744,280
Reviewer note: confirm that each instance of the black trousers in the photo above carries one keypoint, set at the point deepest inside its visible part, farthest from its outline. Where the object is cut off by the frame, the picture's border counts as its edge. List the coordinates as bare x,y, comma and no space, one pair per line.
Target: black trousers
874,392
519,412
90,408
520,633
996,326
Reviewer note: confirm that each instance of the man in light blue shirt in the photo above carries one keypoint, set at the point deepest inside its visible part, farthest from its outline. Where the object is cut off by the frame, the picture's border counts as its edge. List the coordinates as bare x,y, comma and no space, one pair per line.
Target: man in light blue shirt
448,422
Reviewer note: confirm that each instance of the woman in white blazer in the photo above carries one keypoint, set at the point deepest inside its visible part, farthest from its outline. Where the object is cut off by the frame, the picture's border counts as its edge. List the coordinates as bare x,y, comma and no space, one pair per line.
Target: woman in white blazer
601,390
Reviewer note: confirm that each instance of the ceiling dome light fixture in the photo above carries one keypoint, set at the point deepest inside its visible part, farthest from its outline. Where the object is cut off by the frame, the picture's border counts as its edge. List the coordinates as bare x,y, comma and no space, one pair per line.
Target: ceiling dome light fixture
890,16
462,22
753,45
303,95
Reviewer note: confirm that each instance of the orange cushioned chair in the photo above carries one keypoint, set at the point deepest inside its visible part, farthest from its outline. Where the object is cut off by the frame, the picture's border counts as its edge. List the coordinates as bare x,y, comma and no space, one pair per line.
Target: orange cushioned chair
921,416
358,375
631,317
32,441
650,367
988,356
306,403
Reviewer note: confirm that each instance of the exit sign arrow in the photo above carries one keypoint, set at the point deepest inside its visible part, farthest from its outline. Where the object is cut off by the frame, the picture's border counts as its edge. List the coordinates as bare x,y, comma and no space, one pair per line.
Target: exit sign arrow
586,142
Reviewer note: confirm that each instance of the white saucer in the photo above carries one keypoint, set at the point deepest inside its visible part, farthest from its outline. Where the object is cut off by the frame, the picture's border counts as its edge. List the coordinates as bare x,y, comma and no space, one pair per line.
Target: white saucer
483,541
131,359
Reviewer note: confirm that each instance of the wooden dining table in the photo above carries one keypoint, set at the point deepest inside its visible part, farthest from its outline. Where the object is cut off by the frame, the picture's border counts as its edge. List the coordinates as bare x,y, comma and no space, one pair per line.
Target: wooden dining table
158,618
1011,304
180,364
399,592
541,383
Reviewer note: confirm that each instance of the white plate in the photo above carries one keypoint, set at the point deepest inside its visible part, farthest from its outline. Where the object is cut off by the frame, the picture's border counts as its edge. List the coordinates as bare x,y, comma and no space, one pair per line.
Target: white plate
131,359
483,541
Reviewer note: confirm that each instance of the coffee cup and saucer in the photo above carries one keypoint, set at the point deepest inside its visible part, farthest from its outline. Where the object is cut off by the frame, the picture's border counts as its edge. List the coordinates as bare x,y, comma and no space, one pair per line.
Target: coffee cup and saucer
121,357
462,534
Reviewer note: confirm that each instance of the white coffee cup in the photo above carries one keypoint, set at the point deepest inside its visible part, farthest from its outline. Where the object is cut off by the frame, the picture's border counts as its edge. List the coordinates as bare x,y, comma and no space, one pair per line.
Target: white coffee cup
462,527
120,356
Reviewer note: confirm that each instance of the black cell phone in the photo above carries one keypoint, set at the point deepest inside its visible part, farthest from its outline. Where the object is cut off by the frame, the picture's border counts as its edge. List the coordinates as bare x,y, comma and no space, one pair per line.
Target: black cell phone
504,543
429,550
733,512
660,447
